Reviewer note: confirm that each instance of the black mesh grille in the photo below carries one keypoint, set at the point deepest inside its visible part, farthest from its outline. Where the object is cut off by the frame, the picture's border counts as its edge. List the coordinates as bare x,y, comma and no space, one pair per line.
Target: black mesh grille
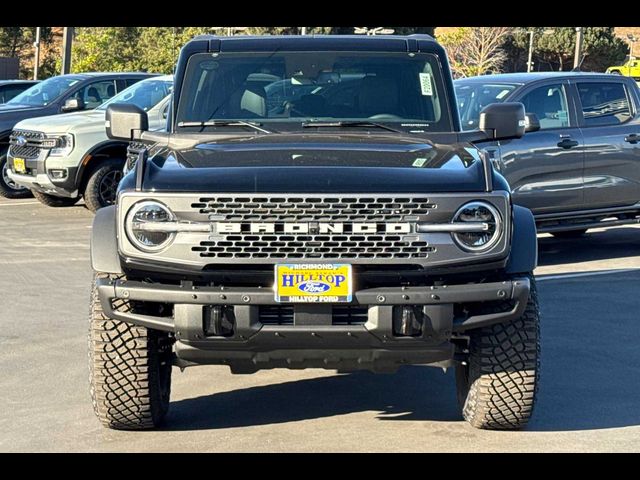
29,150
341,314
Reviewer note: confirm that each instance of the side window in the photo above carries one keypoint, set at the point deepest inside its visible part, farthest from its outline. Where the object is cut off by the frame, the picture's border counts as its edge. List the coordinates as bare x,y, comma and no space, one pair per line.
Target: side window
549,103
604,103
96,93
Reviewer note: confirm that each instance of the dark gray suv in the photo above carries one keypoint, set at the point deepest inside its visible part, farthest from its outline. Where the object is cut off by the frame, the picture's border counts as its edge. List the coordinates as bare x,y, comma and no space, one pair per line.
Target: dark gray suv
578,166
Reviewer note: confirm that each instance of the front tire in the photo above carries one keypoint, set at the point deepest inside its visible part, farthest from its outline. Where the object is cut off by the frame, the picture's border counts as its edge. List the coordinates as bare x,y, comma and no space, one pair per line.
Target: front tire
8,188
129,369
102,185
53,201
497,387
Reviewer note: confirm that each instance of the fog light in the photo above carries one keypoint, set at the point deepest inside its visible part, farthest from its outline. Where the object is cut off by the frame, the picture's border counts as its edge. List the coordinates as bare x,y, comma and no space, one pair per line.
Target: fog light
58,174
218,321
407,321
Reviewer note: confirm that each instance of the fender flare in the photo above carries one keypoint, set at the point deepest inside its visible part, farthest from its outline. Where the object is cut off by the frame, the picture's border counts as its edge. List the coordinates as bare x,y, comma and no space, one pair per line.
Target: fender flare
104,242
85,158
524,242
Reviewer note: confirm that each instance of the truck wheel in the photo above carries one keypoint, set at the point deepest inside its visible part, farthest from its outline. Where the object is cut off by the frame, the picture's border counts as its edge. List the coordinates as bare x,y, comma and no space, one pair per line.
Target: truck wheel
102,185
498,385
615,72
569,233
129,369
8,188
53,201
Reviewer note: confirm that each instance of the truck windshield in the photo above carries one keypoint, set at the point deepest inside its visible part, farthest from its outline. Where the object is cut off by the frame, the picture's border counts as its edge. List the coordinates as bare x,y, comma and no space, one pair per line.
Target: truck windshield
145,94
402,89
472,97
45,92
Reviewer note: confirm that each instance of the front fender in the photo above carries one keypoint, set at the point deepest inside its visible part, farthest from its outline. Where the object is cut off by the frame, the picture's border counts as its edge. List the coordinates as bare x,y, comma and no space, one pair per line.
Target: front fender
524,242
104,242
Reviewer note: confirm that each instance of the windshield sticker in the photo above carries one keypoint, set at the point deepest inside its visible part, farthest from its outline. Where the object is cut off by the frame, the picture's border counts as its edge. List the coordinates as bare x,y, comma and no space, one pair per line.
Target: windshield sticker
419,162
425,84
502,94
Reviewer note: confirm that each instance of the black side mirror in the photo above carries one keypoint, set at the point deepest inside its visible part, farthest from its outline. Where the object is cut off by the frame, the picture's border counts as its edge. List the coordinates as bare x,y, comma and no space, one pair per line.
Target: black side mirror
502,121
125,121
531,122
73,104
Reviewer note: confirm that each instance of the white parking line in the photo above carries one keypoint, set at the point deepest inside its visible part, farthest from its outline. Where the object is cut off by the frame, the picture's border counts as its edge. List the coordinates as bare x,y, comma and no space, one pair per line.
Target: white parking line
585,274
17,203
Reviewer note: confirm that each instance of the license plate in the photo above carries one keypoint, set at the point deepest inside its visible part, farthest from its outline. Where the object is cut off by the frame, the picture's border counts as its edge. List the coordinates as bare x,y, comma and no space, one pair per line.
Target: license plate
313,283
19,165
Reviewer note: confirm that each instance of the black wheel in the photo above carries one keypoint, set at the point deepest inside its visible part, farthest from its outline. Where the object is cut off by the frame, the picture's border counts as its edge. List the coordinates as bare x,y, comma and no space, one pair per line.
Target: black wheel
9,188
498,384
615,72
570,233
129,370
53,201
102,185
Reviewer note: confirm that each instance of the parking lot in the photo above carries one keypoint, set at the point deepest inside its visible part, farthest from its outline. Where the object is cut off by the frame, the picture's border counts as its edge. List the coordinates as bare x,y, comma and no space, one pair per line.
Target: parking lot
588,399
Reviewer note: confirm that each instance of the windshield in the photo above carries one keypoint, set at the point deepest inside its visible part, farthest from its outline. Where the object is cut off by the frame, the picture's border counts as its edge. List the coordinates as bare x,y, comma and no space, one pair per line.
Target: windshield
291,88
473,97
145,94
45,92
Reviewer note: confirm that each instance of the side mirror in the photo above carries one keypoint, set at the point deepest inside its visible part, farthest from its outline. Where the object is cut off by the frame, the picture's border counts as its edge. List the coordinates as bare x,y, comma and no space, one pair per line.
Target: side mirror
73,104
531,123
502,121
125,121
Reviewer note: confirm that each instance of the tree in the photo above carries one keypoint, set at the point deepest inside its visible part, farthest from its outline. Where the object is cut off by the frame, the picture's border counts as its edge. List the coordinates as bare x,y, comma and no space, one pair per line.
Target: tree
554,48
475,50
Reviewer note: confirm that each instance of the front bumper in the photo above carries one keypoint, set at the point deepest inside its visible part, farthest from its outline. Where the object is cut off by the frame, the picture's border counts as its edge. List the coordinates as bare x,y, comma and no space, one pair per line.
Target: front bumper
312,341
39,181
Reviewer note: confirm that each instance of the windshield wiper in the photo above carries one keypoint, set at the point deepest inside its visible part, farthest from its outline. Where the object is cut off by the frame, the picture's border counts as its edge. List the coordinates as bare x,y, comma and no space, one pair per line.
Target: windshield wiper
225,123
349,123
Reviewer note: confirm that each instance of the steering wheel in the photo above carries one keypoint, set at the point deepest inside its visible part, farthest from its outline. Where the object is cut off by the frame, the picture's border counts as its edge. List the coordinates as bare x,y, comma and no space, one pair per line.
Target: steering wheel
385,116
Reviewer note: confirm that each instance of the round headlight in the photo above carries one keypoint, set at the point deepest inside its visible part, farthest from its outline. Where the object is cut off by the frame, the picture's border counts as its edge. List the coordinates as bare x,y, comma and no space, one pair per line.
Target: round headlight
483,214
144,226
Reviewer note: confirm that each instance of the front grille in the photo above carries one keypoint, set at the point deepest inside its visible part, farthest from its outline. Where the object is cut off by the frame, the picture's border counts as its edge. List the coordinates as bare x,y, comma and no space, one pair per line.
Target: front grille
335,209
31,149
346,244
133,150
341,314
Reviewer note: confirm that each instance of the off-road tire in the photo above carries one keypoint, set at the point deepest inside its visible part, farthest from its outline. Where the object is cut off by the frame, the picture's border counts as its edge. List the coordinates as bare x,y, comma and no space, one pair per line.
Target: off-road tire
53,201
6,189
129,369
498,386
105,177
569,233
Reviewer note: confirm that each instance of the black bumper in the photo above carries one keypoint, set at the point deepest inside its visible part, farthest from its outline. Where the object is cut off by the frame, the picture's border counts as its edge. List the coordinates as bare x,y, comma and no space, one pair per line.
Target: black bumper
312,341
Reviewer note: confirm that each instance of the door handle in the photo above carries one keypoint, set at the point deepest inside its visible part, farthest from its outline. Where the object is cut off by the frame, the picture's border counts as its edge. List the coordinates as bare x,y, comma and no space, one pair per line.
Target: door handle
567,143
632,138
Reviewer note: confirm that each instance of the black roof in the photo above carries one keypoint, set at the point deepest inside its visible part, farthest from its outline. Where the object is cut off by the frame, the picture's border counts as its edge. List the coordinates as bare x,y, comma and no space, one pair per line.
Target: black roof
389,43
522,78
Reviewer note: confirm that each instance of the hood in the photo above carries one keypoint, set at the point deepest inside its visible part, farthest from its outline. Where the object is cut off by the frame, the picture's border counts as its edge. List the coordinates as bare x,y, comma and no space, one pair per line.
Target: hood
64,122
317,163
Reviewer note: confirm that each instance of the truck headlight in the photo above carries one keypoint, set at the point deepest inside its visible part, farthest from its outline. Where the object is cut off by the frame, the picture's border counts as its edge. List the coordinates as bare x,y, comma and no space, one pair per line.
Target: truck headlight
61,145
479,213
144,226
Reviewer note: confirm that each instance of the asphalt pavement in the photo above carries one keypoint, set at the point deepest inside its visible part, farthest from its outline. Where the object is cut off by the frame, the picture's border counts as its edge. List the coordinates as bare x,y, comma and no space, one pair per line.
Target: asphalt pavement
588,399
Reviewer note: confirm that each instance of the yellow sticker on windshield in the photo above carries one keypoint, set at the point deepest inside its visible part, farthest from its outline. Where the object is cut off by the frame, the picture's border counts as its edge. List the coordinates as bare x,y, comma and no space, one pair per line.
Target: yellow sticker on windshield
425,84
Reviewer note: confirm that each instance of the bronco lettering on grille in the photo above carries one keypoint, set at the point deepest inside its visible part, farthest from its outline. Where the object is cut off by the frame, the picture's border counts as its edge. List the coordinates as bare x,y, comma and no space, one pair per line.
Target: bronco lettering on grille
311,227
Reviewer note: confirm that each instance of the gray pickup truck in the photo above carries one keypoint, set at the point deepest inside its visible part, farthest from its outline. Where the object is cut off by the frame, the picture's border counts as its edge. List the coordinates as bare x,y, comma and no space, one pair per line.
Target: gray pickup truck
578,166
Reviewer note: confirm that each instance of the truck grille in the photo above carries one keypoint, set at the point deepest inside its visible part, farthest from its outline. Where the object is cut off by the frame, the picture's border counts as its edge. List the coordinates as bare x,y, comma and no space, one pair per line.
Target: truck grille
345,210
334,209
31,149
341,314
